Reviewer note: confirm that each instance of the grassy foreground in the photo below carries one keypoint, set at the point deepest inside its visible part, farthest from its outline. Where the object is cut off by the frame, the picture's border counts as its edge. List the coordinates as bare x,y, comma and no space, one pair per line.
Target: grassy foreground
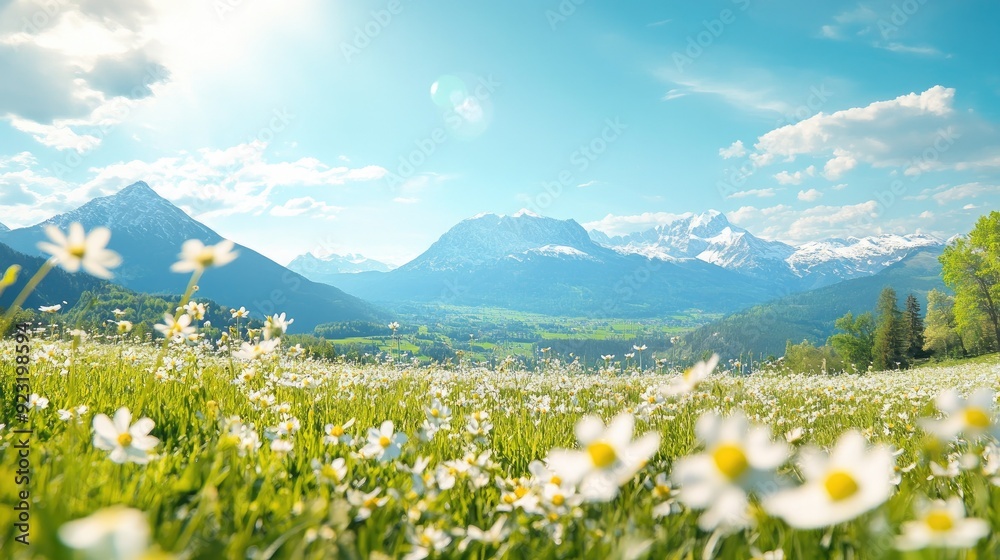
209,491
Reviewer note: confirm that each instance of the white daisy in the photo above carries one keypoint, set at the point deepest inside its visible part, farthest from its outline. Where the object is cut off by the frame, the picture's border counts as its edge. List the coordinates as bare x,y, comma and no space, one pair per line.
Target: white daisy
941,524
852,480
384,443
972,418
81,250
691,378
608,458
738,459
114,533
126,443
195,255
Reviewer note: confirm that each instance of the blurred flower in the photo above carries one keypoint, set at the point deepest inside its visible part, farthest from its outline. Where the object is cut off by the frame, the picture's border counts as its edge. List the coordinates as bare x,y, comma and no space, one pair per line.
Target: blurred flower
686,383
850,481
739,459
941,524
195,255
114,533
609,457
79,249
973,417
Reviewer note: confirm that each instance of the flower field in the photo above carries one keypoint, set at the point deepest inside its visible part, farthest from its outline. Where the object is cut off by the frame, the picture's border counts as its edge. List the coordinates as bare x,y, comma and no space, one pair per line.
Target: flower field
272,455
242,447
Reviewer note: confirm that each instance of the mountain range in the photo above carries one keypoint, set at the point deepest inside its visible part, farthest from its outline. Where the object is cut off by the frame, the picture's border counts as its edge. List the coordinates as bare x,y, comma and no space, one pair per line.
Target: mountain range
697,262
325,269
148,231
711,238
810,315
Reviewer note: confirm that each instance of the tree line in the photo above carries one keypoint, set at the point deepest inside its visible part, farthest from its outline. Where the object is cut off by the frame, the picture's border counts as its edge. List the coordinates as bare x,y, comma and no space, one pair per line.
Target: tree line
960,325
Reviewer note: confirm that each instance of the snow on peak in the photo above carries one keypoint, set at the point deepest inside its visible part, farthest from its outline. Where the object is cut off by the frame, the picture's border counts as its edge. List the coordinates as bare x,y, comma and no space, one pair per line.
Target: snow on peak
524,212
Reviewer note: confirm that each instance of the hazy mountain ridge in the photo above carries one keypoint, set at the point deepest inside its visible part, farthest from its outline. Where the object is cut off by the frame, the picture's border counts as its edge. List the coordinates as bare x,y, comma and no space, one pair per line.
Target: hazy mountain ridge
810,315
531,263
325,269
148,231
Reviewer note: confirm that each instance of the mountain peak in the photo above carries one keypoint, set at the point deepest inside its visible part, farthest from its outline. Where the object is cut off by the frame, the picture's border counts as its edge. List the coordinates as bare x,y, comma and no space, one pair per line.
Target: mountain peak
489,237
524,212
4,228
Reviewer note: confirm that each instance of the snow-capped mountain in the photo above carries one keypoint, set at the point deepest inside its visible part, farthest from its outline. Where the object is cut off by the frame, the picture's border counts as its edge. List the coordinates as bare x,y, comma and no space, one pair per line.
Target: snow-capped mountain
323,269
544,265
487,238
148,231
4,228
710,237
843,259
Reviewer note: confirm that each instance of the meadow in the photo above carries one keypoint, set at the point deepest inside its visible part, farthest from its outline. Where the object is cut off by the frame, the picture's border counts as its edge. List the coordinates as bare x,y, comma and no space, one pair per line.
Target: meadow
271,455
183,446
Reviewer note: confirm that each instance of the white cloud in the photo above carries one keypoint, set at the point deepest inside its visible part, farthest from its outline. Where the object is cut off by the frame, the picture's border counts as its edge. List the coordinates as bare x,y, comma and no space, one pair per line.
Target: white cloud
917,133
793,225
786,178
964,192
93,64
841,163
926,215
810,195
735,150
759,193
969,207
207,183
305,206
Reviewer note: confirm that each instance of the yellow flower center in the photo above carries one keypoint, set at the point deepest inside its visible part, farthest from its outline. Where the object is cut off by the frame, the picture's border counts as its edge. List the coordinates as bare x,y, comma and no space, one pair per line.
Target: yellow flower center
125,439
558,500
330,472
730,460
977,417
370,503
435,412
556,480
840,485
662,490
520,492
336,431
77,251
384,441
602,454
205,259
939,520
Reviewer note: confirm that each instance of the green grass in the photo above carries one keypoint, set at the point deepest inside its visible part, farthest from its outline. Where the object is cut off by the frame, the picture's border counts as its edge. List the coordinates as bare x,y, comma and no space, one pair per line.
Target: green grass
204,500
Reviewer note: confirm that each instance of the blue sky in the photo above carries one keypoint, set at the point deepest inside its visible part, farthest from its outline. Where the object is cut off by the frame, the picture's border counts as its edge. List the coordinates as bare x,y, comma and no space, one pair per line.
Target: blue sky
373,127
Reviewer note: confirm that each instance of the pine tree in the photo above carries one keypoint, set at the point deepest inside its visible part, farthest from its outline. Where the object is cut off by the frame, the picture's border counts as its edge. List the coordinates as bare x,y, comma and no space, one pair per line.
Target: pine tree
913,326
889,351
